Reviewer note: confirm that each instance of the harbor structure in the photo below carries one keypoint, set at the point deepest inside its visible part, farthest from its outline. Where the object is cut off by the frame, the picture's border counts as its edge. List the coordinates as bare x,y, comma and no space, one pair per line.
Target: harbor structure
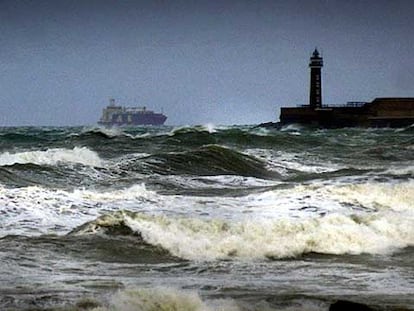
381,112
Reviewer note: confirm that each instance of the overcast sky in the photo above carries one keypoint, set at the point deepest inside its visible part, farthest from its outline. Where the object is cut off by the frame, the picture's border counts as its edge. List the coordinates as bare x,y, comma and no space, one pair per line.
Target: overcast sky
220,62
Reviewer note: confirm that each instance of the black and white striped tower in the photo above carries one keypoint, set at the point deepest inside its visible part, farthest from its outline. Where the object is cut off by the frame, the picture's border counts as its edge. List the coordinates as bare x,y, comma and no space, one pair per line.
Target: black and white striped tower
315,64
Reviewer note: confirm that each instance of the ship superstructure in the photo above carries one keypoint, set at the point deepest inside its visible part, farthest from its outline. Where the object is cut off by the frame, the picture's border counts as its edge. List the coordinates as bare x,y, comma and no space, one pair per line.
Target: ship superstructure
116,115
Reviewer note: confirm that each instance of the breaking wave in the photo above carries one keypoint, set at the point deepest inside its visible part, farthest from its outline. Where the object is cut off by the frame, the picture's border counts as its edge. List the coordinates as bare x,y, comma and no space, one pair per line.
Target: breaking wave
37,210
102,133
209,128
380,196
161,298
52,156
172,299
197,239
165,299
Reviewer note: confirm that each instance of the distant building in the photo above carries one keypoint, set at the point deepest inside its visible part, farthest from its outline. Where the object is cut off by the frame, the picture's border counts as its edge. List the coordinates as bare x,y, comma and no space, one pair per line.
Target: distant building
381,112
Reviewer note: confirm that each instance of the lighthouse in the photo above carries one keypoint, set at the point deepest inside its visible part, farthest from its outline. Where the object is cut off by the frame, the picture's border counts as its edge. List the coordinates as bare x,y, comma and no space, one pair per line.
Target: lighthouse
381,112
315,65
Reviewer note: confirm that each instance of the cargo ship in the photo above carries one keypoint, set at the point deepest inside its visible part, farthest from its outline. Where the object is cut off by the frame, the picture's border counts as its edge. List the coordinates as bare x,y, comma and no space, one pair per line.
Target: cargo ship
381,112
116,115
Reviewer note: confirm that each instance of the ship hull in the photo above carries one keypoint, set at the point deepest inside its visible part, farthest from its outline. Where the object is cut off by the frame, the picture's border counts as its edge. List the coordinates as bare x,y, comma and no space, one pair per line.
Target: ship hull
135,120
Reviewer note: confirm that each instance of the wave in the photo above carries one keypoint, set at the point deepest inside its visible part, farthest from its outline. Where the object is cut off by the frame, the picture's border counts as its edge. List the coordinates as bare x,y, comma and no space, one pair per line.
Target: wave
34,210
17,175
337,145
164,298
226,185
52,156
401,170
207,160
119,132
156,133
408,129
173,299
294,162
102,132
131,193
295,128
209,128
106,224
197,239
375,196
20,138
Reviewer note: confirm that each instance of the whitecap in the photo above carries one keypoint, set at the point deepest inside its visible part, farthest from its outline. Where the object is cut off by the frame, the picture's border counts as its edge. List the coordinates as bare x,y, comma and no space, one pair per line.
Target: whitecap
165,298
252,239
53,156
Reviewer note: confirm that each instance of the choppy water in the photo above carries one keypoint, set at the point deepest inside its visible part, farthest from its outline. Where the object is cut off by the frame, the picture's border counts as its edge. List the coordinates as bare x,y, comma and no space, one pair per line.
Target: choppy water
205,218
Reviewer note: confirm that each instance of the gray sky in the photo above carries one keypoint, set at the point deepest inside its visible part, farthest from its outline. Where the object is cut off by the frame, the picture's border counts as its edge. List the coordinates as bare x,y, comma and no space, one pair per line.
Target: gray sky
220,62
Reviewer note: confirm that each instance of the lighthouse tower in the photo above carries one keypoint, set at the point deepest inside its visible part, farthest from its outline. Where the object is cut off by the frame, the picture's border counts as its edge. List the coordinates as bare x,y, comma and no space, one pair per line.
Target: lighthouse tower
315,64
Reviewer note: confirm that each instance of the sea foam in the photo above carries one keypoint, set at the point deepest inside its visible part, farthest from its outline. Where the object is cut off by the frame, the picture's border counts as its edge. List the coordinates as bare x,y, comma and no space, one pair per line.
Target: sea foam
53,156
173,299
36,210
208,128
250,239
397,196
165,298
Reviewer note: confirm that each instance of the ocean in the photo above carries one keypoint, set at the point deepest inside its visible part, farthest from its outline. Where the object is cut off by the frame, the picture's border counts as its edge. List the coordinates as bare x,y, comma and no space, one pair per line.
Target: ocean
230,218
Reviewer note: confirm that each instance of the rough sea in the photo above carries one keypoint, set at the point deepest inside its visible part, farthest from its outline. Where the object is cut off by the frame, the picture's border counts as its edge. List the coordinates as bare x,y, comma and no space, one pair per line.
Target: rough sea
230,218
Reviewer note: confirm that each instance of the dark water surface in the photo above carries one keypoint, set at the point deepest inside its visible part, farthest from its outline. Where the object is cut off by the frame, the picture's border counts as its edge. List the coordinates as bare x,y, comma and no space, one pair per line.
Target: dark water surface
205,218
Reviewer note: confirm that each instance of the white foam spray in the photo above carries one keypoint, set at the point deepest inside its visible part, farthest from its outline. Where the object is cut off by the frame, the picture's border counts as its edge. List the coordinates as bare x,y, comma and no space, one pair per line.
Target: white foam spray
172,299
53,156
36,210
197,239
